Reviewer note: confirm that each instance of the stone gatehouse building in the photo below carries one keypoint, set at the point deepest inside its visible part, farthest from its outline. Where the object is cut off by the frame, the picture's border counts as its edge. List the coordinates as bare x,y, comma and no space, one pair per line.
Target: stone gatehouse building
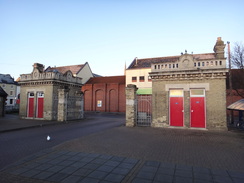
188,90
50,95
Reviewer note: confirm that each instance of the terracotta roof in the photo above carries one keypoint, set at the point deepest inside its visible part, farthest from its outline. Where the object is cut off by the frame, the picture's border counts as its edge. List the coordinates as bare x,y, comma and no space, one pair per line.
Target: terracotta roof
107,79
63,69
239,105
146,62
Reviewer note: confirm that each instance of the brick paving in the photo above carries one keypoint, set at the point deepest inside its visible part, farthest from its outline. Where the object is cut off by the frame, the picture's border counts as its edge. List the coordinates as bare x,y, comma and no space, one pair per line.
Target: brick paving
137,155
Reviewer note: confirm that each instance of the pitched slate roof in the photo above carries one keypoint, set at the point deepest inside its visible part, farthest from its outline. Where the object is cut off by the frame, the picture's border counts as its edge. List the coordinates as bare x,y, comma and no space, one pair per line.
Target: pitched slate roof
146,62
63,69
107,79
6,78
3,93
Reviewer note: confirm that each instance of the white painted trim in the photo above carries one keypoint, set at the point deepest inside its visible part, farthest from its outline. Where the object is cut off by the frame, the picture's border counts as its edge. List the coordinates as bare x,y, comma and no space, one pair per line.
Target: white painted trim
187,87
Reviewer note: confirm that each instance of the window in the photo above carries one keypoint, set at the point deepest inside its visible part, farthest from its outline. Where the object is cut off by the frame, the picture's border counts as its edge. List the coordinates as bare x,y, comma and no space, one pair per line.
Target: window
203,64
142,78
11,101
216,62
197,92
158,66
195,64
176,65
170,66
176,93
220,62
11,86
134,79
11,92
155,66
199,64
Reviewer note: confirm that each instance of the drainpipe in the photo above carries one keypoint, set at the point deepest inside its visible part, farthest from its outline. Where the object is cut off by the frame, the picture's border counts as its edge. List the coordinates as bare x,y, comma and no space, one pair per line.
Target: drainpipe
230,83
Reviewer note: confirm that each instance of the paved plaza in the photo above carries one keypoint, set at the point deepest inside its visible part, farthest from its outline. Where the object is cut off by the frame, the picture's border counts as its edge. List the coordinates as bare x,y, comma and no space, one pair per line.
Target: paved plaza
137,155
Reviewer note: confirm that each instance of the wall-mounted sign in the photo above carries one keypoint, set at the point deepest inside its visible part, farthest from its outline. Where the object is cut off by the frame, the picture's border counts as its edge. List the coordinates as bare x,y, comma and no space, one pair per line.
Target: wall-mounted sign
99,103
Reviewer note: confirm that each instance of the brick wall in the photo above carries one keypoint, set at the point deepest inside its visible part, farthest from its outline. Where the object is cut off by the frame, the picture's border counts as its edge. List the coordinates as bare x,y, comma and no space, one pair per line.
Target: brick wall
104,97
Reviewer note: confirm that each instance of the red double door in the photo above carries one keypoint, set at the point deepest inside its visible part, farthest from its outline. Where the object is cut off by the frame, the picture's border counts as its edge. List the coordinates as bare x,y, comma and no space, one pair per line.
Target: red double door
31,105
197,109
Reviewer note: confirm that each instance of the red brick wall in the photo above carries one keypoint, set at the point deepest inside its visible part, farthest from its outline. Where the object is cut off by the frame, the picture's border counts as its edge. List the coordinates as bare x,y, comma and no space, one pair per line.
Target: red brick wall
111,95
122,98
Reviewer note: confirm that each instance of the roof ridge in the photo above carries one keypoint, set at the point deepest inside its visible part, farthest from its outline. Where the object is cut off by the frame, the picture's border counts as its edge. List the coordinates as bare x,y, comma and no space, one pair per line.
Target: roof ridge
68,65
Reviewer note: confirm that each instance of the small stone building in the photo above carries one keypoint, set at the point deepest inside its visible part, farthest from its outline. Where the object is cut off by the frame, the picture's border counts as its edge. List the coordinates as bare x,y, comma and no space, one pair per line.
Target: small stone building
50,95
190,90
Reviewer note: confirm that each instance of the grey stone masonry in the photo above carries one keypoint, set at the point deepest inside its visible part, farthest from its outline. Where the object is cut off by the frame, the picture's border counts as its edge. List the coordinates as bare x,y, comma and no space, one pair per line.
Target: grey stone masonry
131,105
62,104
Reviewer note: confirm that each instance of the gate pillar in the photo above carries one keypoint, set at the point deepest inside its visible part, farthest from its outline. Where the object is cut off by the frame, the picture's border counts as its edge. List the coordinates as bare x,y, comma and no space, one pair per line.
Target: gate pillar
130,105
62,104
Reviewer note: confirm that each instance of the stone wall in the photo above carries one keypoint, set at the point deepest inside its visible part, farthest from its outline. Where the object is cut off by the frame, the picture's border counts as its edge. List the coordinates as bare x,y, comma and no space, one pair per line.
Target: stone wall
215,101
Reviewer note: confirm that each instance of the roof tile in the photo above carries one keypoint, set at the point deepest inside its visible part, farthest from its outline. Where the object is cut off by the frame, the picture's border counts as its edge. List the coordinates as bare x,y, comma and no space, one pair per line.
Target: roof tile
107,79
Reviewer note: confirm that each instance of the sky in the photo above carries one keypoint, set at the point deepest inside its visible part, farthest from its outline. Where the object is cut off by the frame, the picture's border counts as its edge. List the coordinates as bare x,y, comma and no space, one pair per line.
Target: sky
110,33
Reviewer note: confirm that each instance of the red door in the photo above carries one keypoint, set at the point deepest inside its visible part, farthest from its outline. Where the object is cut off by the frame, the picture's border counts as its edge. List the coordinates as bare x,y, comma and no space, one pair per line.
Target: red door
30,107
198,112
176,111
40,104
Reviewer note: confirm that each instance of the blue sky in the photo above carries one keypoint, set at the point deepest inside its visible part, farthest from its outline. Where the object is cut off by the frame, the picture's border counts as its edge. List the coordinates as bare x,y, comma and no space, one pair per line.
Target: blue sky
109,33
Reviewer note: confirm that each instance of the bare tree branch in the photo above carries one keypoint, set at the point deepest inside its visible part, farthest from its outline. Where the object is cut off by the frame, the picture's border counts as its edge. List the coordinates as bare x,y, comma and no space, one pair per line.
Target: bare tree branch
237,56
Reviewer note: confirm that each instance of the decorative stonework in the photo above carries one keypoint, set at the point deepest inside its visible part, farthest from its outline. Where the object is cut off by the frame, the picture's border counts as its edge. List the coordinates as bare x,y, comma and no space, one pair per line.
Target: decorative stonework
189,75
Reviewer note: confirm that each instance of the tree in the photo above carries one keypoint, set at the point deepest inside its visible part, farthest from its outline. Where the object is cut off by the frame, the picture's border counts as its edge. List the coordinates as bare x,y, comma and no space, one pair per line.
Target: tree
237,74
237,56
